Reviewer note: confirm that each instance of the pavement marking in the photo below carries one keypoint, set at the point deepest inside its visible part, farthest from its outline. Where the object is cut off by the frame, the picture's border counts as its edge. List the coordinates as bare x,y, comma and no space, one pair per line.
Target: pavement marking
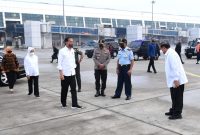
194,75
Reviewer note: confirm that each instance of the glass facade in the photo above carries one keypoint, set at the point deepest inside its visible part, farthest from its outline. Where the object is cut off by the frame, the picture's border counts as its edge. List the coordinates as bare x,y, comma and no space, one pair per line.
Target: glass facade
32,17
57,19
189,25
114,23
136,22
162,23
91,22
75,21
171,25
123,23
197,25
149,24
9,15
1,19
105,20
163,32
181,25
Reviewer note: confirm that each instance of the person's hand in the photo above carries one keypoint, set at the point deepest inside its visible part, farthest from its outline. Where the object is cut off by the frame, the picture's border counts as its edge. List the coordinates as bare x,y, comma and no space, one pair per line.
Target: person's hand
3,72
62,77
101,66
117,71
177,84
129,72
28,77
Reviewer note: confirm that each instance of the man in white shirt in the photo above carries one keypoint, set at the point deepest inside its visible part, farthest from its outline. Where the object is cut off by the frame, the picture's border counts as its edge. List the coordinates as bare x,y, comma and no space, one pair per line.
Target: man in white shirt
176,79
66,67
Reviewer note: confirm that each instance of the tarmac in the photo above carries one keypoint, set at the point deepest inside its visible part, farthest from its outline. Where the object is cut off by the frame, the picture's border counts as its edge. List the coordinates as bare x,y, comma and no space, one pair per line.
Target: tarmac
21,114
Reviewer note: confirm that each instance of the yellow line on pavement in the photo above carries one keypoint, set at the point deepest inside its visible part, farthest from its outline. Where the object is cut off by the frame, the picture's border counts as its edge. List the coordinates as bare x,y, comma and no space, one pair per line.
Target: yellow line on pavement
194,75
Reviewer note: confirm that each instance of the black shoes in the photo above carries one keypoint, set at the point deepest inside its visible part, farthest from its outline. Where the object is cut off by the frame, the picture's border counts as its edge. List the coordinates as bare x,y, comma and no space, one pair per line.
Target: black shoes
29,94
115,97
79,90
102,93
175,117
149,71
168,113
77,107
97,94
128,98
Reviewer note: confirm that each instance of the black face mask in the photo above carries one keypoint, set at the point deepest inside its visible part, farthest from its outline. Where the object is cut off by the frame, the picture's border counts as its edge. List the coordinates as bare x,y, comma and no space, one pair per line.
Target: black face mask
9,51
101,46
122,45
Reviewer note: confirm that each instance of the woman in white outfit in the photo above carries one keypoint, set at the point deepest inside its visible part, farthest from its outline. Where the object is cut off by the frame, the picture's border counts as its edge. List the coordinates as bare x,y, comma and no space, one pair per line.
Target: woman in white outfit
32,71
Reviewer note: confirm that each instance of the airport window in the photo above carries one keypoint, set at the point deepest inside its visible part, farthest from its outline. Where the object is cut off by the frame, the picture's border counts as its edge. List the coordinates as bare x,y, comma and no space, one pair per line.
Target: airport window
57,19
197,25
181,25
75,21
157,25
162,23
171,25
9,15
91,22
106,20
136,22
32,17
123,23
1,19
114,22
190,25
149,24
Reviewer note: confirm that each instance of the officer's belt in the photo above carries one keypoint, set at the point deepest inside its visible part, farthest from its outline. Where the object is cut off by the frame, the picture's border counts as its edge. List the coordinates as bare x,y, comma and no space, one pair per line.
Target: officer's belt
121,65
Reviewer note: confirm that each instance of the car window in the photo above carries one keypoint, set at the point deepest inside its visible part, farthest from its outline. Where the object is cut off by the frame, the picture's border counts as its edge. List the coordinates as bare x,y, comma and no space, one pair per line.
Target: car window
135,44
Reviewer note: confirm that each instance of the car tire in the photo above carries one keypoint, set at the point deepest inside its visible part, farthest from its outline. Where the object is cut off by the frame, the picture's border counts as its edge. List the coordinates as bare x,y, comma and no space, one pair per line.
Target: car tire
136,57
189,56
89,55
3,79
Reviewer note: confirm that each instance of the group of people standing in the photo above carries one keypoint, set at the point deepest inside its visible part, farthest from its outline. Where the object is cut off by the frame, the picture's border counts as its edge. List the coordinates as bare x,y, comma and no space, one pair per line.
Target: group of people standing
69,71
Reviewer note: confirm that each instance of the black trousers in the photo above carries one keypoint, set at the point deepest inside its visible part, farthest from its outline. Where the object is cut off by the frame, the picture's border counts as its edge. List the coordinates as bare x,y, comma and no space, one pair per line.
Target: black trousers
33,81
123,77
11,76
177,100
78,76
180,57
100,75
68,81
151,64
198,57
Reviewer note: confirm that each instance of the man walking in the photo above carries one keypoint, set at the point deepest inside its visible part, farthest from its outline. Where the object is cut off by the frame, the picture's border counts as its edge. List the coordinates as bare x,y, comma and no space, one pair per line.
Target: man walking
178,50
176,79
124,70
198,51
152,50
78,61
101,59
66,66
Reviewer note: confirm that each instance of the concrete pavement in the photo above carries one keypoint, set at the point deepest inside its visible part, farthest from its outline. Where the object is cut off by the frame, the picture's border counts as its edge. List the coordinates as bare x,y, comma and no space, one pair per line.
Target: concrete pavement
143,115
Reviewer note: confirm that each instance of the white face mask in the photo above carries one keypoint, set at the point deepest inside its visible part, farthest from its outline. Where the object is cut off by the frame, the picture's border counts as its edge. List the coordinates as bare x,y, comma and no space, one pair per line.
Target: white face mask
32,53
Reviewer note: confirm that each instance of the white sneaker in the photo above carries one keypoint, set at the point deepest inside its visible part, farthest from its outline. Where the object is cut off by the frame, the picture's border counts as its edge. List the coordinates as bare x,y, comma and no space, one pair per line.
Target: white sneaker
77,107
11,90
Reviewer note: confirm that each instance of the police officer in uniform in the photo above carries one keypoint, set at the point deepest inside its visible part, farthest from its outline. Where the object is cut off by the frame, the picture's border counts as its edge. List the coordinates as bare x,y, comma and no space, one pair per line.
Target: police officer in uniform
124,70
77,52
101,59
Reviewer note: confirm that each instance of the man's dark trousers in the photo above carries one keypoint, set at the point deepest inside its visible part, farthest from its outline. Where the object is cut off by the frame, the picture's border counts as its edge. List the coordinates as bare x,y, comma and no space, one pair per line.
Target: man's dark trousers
100,75
123,77
68,81
151,64
78,75
177,100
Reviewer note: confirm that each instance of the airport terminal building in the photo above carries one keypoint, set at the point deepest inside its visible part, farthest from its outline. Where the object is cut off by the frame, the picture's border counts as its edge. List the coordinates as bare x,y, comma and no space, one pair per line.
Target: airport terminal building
84,23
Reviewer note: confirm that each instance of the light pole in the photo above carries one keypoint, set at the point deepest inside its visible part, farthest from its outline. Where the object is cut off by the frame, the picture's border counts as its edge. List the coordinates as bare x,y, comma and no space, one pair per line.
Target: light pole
64,13
153,2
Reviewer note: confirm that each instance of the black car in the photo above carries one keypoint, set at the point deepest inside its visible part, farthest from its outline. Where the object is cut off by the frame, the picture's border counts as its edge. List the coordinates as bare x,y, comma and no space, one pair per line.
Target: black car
190,50
20,74
140,49
115,46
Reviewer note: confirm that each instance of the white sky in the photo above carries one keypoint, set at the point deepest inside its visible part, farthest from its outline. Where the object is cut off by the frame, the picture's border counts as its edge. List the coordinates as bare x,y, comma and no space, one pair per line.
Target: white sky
177,7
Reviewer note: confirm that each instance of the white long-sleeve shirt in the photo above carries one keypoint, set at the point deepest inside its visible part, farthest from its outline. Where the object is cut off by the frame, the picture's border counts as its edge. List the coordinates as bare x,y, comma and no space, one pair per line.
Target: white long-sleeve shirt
174,69
31,65
66,61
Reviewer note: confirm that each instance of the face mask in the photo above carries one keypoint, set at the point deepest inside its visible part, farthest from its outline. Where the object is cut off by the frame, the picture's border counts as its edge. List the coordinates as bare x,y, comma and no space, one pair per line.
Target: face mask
122,46
101,46
9,51
32,53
